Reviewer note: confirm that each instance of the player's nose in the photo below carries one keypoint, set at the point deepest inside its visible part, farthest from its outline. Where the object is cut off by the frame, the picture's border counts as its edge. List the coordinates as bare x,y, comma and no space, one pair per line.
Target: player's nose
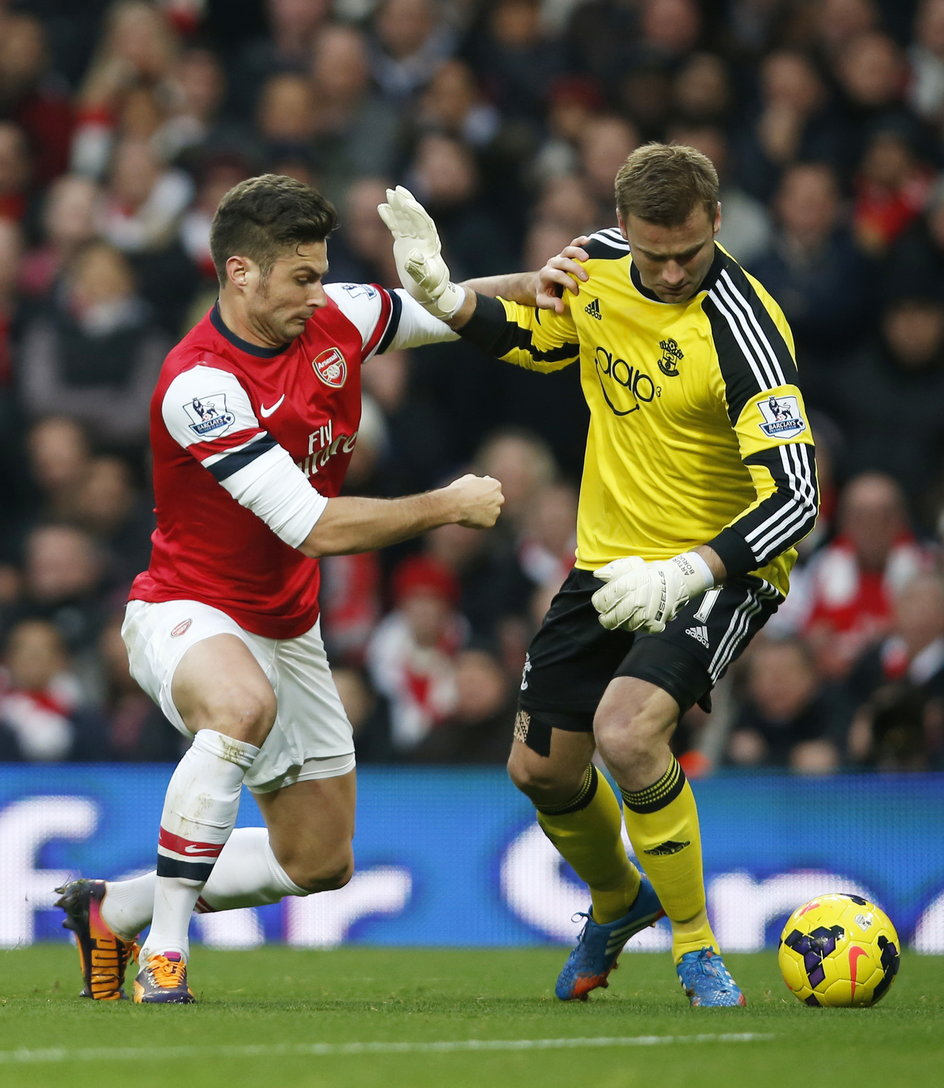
673,273
316,296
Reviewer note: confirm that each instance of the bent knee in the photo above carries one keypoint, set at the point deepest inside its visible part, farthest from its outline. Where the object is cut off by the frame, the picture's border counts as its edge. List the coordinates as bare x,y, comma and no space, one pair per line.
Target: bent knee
542,780
323,874
246,713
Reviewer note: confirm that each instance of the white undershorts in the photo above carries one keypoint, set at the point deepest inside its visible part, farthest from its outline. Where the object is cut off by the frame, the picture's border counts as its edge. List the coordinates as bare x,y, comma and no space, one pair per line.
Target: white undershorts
311,736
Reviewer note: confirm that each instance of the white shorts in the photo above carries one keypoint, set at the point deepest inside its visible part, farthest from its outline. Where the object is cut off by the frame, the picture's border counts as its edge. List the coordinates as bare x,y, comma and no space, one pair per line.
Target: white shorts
311,737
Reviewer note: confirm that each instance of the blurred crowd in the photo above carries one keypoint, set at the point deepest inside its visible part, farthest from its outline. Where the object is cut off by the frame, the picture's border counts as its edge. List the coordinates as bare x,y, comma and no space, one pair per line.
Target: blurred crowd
122,122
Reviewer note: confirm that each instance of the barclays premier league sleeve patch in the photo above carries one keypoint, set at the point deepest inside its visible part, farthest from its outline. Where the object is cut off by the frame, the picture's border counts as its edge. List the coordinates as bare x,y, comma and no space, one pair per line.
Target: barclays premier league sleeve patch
781,417
208,416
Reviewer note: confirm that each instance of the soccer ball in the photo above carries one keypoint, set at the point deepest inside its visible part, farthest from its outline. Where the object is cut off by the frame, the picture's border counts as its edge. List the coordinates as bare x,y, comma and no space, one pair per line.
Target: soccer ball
839,950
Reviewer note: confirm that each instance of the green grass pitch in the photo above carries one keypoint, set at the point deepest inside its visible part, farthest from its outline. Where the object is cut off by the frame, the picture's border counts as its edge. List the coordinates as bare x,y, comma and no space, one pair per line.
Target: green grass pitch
455,1018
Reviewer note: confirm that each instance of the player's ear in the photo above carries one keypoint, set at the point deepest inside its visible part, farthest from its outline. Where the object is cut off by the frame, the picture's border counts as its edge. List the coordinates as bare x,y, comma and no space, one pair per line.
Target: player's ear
716,226
237,270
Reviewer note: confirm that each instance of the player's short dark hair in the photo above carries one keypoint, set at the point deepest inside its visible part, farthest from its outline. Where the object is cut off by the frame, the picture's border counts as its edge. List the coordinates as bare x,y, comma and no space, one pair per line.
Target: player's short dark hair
264,216
663,183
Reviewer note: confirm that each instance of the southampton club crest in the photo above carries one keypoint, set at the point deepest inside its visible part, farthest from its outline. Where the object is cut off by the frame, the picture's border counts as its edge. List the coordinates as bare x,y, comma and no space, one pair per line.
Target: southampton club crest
331,367
672,355
209,416
781,417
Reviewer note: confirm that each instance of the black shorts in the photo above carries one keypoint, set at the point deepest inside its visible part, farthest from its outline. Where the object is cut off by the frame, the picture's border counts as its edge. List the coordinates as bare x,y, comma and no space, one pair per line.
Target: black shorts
572,658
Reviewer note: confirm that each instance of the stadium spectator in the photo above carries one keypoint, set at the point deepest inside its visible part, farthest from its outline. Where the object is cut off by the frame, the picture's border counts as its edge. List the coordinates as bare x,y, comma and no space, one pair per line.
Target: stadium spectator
135,51
95,351
793,120
903,365
356,254
925,90
69,218
788,715
418,446
849,585
356,130
476,731
283,46
518,58
605,141
524,463
66,583
408,39
34,95
43,717
411,654
702,92
111,505
571,102
547,539
563,204
214,174
143,198
916,257
16,171
196,119
454,104
286,120
817,272
58,452
899,684
891,186
872,74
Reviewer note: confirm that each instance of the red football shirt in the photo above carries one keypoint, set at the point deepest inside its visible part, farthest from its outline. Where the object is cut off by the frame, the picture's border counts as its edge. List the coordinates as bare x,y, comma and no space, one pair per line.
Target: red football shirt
220,405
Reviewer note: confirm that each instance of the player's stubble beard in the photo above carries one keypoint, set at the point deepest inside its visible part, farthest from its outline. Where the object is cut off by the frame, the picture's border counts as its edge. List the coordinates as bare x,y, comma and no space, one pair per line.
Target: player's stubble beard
280,330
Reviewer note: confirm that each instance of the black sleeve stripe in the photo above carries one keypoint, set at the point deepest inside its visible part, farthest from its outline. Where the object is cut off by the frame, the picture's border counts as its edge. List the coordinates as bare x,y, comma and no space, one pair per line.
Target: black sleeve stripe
790,513
393,322
490,329
752,352
238,459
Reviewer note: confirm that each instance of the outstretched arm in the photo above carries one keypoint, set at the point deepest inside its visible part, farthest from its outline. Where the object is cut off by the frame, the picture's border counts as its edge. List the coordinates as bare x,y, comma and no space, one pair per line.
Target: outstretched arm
423,271
350,524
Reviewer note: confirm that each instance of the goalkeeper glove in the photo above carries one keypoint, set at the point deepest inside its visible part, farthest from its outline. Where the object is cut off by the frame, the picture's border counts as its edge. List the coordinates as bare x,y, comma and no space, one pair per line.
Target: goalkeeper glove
418,254
647,595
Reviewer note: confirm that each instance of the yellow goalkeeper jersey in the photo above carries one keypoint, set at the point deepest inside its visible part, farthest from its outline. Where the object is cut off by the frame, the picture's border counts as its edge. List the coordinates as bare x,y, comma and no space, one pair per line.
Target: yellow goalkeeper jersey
698,432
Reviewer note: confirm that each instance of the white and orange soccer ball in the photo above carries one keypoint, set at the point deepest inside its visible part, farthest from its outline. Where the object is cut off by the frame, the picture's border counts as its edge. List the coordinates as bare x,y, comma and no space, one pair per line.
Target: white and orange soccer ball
839,950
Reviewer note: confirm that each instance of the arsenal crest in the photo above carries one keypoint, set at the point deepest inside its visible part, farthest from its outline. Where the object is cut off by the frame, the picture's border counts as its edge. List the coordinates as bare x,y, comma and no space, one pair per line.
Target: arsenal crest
331,367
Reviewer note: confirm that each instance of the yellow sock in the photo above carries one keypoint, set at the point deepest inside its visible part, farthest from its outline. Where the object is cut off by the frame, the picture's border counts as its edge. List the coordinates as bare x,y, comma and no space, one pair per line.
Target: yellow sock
586,832
663,827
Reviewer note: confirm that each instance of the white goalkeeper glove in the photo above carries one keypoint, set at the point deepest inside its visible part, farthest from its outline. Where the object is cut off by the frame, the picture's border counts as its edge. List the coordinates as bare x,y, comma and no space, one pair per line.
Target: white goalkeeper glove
647,595
418,254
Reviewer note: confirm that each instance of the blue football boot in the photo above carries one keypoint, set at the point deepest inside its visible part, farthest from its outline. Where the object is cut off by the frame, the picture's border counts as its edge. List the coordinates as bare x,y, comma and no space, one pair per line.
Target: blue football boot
600,943
706,981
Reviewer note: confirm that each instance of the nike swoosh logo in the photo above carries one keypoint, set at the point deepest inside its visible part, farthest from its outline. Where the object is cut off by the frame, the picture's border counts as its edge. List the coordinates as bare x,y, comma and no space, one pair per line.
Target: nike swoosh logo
196,848
854,953
266,412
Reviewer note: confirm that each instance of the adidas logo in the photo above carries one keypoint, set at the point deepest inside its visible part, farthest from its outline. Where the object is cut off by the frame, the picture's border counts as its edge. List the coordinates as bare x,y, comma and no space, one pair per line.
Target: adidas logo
668,847
699,634
593,309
